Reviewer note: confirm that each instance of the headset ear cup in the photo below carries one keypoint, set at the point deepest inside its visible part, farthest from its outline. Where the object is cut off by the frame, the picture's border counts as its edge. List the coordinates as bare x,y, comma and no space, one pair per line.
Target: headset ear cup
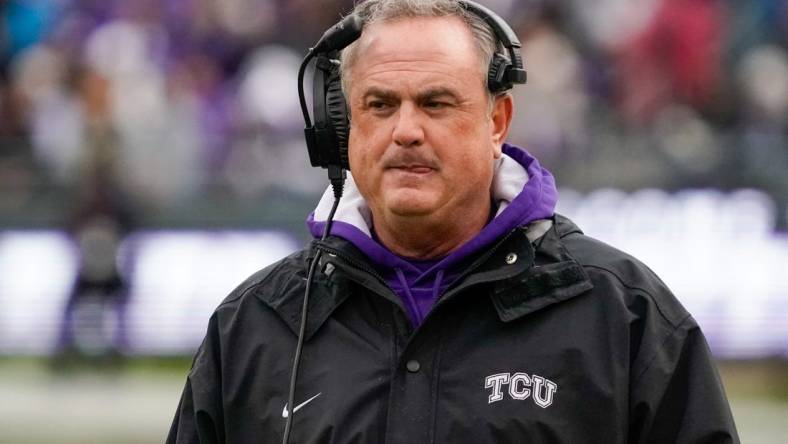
336,108
497,73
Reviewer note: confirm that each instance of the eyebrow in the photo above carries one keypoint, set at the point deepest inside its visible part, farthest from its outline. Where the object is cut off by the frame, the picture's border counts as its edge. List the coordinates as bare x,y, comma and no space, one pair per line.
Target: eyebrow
380,93
436,92
421,97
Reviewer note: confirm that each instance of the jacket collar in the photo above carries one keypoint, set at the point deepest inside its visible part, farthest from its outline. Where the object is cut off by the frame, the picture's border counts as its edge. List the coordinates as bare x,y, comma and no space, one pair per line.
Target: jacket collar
329,289
527,279
553,277
524,279
541,286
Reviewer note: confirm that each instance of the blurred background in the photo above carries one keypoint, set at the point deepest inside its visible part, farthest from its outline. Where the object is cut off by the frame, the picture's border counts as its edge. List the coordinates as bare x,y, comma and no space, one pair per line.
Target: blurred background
151,157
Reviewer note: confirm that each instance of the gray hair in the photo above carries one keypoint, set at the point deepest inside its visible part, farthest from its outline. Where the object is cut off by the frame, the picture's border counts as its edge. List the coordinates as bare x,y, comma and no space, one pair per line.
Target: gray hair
371,11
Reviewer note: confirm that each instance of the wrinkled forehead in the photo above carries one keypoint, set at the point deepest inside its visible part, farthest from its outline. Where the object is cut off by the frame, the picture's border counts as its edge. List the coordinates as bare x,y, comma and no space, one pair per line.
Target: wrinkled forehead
414,41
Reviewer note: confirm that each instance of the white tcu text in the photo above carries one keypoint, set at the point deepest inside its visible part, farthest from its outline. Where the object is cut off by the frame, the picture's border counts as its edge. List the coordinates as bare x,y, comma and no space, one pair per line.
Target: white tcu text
521,386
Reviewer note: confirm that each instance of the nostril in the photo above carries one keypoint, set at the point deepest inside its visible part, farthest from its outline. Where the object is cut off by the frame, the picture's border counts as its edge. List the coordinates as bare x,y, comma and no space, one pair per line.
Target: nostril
406,143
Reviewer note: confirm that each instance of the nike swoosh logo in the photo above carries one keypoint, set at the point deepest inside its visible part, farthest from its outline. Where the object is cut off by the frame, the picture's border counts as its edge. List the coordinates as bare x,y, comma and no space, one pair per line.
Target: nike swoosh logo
298,407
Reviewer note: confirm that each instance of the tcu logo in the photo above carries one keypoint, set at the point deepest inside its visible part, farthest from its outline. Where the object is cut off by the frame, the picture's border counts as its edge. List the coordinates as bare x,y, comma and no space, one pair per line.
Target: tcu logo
521,386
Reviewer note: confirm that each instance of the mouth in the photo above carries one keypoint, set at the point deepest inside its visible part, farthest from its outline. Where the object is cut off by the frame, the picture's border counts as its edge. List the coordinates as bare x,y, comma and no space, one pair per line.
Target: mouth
414,169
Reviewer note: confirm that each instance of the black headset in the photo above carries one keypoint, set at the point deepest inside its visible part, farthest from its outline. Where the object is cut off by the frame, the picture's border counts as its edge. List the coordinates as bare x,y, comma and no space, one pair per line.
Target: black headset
327,139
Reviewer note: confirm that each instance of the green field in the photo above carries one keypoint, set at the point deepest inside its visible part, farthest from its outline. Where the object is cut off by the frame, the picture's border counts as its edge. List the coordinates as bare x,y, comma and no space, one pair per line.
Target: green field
135,402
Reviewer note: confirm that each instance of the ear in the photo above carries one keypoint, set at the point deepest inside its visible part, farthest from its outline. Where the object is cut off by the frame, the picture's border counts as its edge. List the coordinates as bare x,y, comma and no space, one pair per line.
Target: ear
500,120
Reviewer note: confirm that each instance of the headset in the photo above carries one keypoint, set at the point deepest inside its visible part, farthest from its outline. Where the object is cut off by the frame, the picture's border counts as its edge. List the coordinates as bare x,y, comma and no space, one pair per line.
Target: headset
327,137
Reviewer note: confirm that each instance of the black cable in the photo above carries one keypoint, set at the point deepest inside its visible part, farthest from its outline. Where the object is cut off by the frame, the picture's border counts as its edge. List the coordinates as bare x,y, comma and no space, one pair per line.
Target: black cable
337,186
301,97
336,38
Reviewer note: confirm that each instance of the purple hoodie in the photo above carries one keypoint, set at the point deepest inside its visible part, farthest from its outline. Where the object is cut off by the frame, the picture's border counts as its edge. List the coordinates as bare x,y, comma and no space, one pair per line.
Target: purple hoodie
523,192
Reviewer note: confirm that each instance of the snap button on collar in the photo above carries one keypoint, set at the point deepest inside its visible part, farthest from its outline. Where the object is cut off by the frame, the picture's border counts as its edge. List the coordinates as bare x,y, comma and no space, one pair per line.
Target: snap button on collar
511,258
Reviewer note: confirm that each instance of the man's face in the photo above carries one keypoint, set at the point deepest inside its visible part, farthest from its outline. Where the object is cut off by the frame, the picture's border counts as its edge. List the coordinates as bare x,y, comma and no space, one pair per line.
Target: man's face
423,137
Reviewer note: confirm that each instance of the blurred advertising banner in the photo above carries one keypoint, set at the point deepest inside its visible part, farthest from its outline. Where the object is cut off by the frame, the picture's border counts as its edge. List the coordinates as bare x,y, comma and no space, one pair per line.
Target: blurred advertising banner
717,251
172,281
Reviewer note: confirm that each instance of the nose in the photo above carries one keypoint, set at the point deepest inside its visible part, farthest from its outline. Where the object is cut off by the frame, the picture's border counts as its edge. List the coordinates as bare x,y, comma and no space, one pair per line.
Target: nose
408,131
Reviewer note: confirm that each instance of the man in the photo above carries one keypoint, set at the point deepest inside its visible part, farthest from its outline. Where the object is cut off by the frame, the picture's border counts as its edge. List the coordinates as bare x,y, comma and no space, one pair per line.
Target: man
451,305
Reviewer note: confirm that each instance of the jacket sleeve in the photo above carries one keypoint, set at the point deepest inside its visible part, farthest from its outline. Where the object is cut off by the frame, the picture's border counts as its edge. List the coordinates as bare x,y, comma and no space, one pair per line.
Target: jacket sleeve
199,418
678,396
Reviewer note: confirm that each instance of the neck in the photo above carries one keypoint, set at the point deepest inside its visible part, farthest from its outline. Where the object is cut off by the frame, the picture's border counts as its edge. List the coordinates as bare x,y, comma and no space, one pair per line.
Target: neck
428,237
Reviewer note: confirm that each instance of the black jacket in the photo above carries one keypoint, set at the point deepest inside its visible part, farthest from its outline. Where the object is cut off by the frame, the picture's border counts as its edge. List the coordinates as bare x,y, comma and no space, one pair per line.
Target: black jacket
564,341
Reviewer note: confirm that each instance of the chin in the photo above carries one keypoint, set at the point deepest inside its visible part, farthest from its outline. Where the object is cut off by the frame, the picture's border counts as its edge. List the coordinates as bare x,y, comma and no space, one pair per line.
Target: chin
409,205
409,211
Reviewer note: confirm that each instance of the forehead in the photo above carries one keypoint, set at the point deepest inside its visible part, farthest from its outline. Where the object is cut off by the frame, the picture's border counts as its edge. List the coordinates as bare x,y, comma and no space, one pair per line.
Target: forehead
416,44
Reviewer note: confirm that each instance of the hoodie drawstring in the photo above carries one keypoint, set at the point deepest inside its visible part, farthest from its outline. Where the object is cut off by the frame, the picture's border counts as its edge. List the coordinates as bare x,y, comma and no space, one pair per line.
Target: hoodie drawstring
436,287
411,301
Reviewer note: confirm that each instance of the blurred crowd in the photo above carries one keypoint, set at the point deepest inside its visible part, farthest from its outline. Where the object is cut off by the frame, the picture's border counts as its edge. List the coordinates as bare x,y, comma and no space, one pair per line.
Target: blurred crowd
172,102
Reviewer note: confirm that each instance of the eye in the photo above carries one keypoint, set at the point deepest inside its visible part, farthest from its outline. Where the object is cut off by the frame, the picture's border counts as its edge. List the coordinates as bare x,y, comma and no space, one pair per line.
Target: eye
435,104
378,105
381,108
